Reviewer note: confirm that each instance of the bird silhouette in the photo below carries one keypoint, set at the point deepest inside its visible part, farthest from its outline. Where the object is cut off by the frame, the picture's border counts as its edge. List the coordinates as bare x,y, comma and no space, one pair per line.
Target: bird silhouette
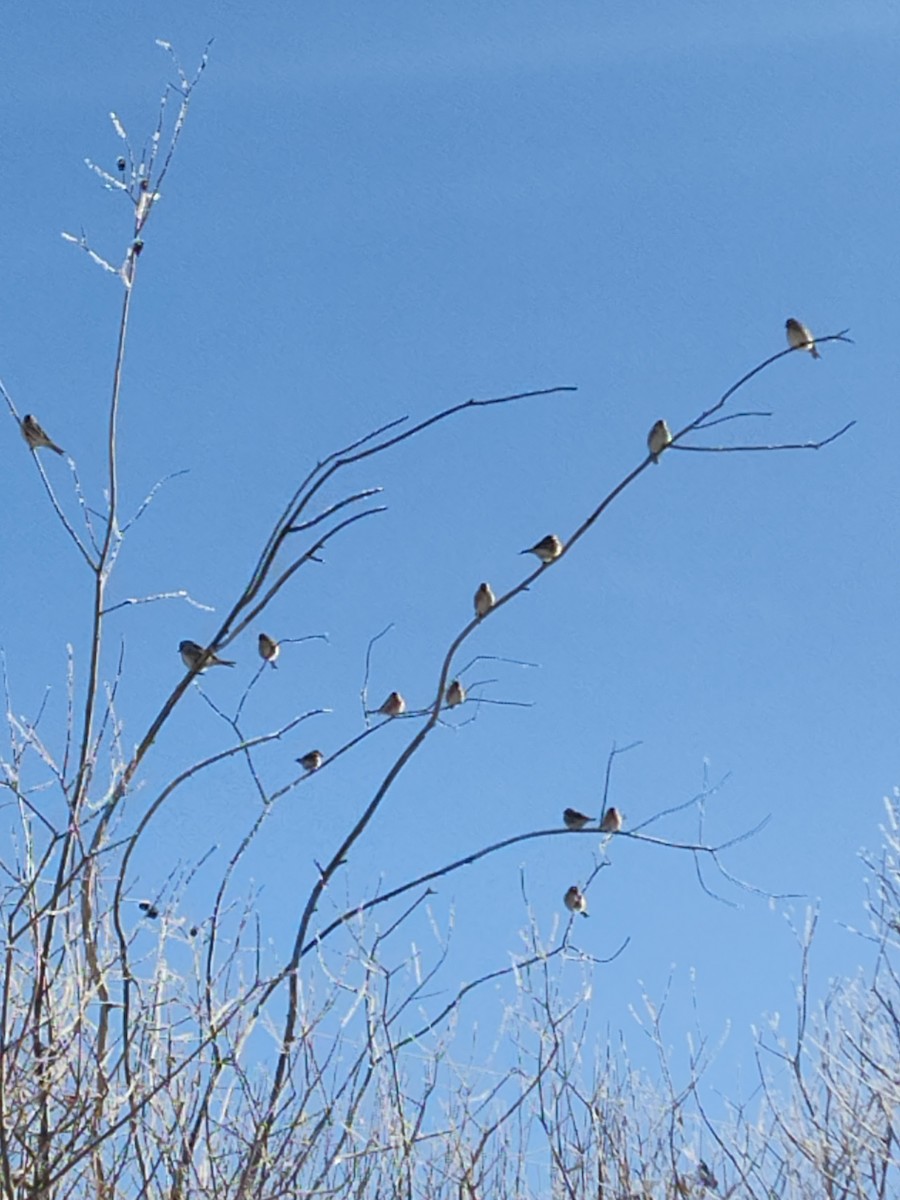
312,760
484,600
574,819
576,901
394,706
191,654
658,438
612,821
799,337
36,436
547,549
269,649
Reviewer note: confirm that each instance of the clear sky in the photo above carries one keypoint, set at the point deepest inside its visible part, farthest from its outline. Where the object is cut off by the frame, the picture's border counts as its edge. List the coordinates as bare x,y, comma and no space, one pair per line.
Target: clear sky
384,209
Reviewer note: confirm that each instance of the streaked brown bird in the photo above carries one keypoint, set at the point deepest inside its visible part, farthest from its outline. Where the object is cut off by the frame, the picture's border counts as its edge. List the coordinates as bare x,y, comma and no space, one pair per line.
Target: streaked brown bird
547,549
191,654
269,649
394,706
312,761
658,438
799,337
484,600
612,821
36,437
575,819
456,694
576,901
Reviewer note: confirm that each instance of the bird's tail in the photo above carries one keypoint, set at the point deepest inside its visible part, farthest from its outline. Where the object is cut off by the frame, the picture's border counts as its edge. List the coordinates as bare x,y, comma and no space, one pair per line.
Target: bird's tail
814,352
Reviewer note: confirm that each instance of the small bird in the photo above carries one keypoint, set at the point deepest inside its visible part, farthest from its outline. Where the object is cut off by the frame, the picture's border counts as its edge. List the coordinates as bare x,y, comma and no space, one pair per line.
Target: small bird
547,549
658,438
799,337
312,761
576,901
575,819
456,694
612,821
149,910
706,1177
269,649
394,706
191,654
484,600
36,437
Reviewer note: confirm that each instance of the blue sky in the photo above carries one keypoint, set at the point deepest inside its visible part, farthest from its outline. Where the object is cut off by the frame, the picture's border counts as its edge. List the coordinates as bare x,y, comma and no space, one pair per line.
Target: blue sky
383,210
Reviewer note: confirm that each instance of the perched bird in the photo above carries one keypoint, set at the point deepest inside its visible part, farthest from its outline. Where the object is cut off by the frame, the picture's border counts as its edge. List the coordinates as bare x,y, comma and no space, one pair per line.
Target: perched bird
456,694
799,337
576,901
312,761
394,705
191,654
658,438
35,436
268,648
547,549
612,821
484,600
706,1177
575,819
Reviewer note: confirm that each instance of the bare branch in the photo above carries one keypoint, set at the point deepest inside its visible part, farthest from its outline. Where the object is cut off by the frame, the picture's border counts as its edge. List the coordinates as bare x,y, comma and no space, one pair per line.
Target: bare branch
181,594
150,497
771,445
